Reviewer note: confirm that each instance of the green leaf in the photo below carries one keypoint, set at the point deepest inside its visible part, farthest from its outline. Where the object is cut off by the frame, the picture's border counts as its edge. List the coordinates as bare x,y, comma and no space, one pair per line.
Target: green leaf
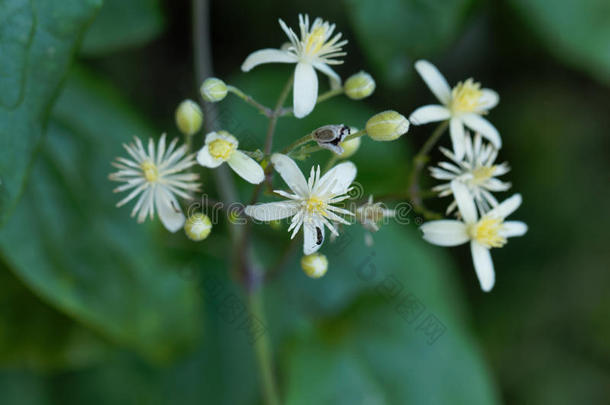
37,39
395,33
578,32
34,335
70,245
395,335
123,24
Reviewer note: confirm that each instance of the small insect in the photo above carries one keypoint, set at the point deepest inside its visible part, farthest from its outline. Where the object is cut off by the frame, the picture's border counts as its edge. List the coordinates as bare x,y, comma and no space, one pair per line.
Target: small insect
319,236
330,136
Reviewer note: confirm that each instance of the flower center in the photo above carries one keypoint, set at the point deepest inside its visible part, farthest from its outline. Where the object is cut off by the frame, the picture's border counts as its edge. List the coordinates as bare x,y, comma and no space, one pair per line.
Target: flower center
221,149
465,96
315,205
487,232
151,173
482,174
315,40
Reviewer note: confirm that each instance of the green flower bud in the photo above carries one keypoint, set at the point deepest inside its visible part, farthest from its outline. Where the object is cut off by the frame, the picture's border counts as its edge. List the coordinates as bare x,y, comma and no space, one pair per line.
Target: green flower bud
387,126
189,117
314,265
213,89
198,227
350,147
359,86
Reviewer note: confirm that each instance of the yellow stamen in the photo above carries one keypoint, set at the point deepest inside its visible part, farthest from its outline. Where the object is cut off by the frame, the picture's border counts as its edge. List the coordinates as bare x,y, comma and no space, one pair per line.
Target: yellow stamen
315,40
487,232
465,96
151,173
315,205
482,174
221,149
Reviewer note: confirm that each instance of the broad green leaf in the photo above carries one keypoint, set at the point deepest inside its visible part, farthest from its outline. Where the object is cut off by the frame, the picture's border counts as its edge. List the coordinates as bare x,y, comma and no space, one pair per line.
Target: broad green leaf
34,335
123,24
70,245
578,32
37,40
395,33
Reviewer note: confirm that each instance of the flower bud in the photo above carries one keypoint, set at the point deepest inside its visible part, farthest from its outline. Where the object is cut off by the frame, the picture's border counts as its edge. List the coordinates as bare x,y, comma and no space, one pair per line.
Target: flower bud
359,86
198,227
314,265
350,147
213,89
387,126
189,117
330,136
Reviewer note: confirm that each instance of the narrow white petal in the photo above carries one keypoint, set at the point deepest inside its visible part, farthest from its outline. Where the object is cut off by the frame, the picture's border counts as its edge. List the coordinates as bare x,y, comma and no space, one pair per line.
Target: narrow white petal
206,160
489,99
305,89
246,167
267,56
484,127
483,265
337,180
506,207
335,79
464,201
169,210
290,172
513,228
273,211
429,113
458,139
313,237
445,232
435,80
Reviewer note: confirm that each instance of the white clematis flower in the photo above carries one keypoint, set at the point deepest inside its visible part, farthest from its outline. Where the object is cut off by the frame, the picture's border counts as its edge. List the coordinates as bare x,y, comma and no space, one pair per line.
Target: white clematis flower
221,147
463,105
490,231
155,176
310,202
476,170
315,49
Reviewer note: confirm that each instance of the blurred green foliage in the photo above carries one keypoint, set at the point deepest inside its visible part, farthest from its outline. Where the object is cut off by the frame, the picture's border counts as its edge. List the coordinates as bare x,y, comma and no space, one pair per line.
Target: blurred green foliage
97,309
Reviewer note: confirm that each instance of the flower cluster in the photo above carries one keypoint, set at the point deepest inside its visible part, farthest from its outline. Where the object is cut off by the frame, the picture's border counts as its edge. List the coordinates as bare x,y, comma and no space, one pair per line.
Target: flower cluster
160,176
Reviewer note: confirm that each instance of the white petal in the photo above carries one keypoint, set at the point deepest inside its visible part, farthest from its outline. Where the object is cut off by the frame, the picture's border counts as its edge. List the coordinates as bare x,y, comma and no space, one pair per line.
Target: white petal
458,139
513,228
305,89
484,127
206,160
337,180
335,79
483,265
272,211
445,232
489,99
313,237
267,56
169,210
246,167
435,80
429,113
291,173
506,207
464,201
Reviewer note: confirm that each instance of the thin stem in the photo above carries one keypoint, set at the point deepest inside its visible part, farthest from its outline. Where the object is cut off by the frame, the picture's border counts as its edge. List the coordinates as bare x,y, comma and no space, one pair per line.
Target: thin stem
316,148
266,111
333,159
262,347
419,162
275,115
301,141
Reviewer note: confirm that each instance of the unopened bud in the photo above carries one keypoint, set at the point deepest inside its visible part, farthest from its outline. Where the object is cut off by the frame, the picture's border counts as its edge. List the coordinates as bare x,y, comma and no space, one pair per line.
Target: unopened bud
350,147
330,136
189,117
359,86
314,265
198,227
213,90
387,126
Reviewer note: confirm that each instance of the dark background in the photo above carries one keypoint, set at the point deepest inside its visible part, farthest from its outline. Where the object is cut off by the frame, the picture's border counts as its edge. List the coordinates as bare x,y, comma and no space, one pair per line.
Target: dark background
97,309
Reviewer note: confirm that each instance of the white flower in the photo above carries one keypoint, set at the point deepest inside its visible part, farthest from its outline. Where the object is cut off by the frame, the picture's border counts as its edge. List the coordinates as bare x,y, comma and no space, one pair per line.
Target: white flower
476,170
156,177
315,49
490,231
463,105
310,203
221,147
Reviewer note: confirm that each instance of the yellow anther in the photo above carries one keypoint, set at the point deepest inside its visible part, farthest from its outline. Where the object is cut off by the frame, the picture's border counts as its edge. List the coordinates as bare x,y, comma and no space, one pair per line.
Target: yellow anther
221,149
465,97
487,232
151,173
